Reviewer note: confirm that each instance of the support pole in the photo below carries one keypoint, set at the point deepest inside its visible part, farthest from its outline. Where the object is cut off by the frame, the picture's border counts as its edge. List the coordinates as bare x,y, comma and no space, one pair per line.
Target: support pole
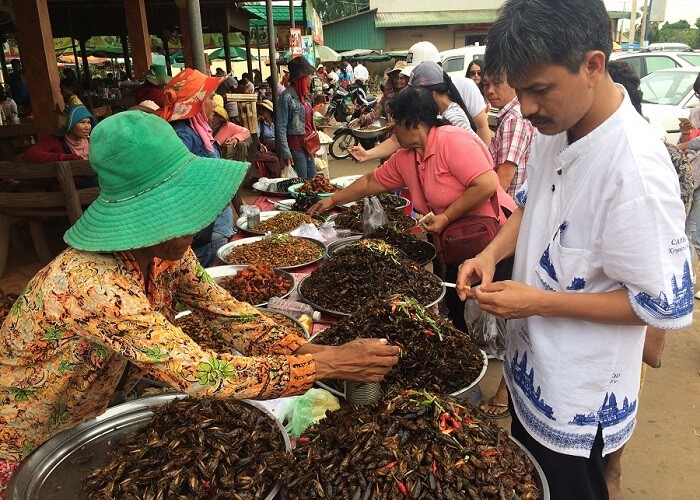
249,55
137,27
291,14
643,26
633,26
166,53
271,39
196,39
125,51
227,49
86,64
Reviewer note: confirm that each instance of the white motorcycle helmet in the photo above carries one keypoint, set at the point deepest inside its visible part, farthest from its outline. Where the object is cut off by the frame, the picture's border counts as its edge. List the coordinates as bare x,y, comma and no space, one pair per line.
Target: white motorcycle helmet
419,52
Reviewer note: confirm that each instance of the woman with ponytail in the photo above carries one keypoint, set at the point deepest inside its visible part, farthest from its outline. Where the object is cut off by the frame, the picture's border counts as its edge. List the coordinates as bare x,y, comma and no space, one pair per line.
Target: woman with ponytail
295,119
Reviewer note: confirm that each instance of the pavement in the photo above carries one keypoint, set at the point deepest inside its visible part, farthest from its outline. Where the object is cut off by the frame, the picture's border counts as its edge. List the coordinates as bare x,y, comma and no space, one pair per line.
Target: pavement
661,461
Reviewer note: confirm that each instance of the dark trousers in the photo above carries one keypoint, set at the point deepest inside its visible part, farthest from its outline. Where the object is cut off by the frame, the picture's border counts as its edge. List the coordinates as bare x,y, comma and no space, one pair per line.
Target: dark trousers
569,477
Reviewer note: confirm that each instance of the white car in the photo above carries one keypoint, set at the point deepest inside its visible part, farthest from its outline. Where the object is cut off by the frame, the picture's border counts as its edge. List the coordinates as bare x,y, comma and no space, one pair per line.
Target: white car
647,62
456,61
668,96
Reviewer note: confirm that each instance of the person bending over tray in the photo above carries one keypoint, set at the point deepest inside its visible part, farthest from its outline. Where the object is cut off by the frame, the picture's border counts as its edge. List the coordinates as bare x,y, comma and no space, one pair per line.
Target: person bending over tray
108,300
448,171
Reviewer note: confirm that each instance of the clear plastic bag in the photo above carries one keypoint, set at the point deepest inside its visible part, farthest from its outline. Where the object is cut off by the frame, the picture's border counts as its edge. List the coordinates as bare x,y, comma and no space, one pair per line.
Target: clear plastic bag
373,216
308,409
486,330
288,172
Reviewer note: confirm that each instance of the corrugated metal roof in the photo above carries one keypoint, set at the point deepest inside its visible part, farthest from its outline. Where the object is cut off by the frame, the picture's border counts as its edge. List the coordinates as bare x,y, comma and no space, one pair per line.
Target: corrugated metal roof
404,19
280,13
354,32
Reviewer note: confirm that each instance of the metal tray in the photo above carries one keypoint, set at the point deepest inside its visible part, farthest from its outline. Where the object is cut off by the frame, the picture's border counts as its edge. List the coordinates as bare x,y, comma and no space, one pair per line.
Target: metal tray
343,242
218,272
56,470
333,312
224,250
371,134
275,193
542,479
344,181
293,191
299,324
345,206
242,222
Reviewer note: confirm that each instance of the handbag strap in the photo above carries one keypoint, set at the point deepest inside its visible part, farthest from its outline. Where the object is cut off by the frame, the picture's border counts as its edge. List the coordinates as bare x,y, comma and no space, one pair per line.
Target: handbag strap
494,197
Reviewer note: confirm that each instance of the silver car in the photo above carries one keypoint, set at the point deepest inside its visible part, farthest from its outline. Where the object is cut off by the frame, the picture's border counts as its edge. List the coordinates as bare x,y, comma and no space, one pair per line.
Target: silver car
668,96
644,63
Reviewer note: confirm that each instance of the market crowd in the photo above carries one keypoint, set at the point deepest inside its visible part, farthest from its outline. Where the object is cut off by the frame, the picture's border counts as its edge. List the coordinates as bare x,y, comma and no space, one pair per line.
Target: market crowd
573,184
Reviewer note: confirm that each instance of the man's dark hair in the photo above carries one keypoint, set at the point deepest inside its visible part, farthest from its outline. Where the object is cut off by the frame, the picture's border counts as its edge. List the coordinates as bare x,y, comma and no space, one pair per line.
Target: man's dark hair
414,105
70,83
531,33
621,72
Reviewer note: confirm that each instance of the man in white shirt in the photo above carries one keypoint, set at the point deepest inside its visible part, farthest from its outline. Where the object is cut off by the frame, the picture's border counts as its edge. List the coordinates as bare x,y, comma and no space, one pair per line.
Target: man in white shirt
347,74
599,243
361,75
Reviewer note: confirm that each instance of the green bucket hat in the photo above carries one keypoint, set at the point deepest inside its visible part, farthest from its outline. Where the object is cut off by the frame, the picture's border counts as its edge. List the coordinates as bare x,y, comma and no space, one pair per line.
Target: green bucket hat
157,75
152,189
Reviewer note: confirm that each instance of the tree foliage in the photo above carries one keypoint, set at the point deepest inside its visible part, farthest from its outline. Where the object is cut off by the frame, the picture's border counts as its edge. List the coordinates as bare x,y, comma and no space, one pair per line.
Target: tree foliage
332,10
679,32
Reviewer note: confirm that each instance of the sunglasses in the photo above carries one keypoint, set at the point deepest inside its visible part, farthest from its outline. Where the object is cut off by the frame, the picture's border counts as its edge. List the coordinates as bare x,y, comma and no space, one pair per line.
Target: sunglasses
475,72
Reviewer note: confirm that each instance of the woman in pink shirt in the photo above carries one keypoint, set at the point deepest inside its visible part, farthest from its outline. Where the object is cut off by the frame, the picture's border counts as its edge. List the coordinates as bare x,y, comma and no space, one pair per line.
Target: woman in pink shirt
447,170
224,131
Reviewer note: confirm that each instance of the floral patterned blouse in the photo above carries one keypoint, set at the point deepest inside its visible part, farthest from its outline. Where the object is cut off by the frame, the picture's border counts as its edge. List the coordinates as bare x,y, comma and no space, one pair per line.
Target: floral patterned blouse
67,340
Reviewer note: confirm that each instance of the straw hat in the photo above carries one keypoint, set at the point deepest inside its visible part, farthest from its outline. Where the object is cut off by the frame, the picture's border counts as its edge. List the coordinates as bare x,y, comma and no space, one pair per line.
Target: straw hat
152,189
185,93
219,107
267,104
400,65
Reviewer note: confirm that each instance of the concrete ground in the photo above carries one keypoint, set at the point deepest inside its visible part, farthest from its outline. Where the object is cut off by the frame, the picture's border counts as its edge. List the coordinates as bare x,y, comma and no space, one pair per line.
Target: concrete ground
662,461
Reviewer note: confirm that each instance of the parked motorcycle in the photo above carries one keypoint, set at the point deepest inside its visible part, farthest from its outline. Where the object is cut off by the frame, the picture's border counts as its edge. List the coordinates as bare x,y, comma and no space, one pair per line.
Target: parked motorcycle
346,106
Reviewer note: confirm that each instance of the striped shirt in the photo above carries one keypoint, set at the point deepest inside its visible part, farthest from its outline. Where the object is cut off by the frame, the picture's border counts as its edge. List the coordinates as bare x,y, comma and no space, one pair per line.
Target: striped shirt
512,142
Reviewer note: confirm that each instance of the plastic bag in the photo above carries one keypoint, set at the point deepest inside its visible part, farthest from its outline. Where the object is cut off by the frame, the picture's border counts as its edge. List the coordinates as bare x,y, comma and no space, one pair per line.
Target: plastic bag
308,409
373,216
288,172
485,330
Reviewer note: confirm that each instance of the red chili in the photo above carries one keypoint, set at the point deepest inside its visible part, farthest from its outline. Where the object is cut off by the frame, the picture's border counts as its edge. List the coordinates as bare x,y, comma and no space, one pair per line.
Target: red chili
429,333
206,485
303,440
492,453
403,489
433,467
389,466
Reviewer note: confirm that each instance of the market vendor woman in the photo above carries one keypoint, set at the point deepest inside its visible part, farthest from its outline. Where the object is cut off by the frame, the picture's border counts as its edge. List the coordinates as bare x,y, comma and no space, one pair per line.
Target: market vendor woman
109,299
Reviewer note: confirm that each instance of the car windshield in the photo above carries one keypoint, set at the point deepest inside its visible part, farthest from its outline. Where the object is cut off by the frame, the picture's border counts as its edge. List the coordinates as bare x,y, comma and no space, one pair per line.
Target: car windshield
667,87
693,58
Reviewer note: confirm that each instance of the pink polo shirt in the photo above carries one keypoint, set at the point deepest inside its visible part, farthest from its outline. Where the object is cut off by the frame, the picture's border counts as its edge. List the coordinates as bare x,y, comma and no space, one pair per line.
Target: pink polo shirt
453,158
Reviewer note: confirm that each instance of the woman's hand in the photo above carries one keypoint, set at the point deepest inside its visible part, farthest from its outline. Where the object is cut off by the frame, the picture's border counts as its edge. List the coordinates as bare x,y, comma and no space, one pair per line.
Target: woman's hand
362,360
359,153
321,206
434,223
289,161
262,148
231,141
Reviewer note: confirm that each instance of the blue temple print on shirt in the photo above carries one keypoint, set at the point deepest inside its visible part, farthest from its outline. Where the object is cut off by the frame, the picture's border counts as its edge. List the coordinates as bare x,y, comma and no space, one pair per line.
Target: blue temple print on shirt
525,380
521,198
547,265
545,285
681,303
577,284
609,414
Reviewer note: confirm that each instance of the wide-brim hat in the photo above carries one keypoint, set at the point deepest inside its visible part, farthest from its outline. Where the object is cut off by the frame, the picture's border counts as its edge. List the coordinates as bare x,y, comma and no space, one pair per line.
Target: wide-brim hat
219,107
157,75
185,93
397,67
267,104
152,189
75,113
300,67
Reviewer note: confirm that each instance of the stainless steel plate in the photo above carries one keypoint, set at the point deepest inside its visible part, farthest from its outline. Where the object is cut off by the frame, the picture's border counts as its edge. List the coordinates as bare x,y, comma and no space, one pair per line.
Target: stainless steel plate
219,272
58,468
242,222
224,250
339,313
343,242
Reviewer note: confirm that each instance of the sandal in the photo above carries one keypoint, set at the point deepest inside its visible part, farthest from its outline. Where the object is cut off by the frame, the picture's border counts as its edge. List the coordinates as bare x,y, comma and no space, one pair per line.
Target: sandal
502,409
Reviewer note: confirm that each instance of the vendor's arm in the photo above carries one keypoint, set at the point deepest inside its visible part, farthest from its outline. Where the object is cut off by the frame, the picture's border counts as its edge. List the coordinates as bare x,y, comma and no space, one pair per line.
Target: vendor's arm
196,290
382,150
693,144
366,185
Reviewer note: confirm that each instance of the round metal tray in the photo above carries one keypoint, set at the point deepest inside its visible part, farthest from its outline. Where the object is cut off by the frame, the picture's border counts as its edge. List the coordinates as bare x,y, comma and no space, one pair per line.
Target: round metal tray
343,242
224,250
542,479
406,202
275,193
371,134
242,222
299,324
339,313
57,469
219,272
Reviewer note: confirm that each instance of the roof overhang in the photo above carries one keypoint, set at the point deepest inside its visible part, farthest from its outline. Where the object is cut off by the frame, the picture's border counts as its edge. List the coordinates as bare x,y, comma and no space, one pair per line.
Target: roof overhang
434,18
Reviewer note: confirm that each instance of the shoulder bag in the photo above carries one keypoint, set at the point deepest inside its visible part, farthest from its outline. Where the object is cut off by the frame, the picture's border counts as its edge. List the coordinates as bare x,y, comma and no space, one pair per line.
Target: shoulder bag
468,235
312,143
